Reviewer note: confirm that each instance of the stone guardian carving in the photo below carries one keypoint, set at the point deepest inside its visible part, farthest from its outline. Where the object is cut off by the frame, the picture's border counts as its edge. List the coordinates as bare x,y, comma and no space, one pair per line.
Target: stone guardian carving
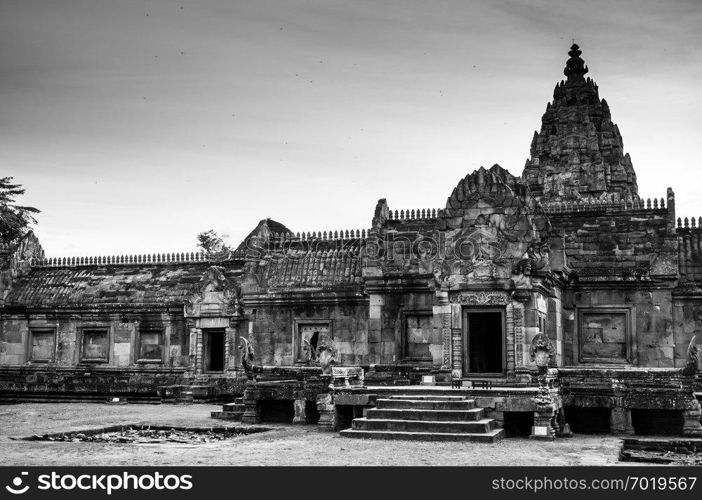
327,354
247,355
692,358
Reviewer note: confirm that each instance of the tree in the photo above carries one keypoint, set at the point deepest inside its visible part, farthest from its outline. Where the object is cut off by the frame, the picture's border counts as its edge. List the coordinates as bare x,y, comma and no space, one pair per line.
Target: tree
15,220
211,243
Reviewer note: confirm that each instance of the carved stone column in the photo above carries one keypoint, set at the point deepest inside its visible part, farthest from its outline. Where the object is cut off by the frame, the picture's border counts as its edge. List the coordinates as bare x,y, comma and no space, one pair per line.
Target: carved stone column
198,351
442,315
520,347
620,417
232,350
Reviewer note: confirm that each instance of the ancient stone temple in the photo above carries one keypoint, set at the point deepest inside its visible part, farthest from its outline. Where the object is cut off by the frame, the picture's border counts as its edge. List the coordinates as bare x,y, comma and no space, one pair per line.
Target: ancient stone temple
527,305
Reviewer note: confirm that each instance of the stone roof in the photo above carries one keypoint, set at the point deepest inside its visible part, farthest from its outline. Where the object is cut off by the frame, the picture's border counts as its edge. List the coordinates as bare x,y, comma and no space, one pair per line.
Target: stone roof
149,284
297,264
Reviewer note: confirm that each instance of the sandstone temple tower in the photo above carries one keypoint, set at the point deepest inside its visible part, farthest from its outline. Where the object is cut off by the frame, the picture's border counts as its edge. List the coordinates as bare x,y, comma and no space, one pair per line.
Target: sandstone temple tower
578,153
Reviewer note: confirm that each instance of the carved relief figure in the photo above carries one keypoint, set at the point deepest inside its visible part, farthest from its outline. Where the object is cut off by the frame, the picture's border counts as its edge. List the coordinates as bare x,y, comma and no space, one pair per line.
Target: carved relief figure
522,274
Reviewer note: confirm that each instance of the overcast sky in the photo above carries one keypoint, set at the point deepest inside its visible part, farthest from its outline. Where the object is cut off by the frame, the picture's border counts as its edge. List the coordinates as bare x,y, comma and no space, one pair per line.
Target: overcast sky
134,125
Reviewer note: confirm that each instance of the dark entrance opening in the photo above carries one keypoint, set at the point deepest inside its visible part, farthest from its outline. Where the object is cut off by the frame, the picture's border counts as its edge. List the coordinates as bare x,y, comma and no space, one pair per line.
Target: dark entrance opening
345,415
277,410
484,342
518,423
657,422
312,412
586,420
213,350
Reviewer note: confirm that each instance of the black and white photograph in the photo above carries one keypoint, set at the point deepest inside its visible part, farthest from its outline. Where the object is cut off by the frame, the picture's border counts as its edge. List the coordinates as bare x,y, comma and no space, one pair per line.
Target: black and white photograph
325,233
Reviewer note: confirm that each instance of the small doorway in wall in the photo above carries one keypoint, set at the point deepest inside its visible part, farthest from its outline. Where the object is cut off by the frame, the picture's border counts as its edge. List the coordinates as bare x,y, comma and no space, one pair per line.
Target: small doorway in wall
213,350
484,341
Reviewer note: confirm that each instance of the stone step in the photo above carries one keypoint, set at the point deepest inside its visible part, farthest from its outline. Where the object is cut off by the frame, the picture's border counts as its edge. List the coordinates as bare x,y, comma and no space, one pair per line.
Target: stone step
233,406
466,404
432,426
184,397
424,397
227,415
487,437
471,415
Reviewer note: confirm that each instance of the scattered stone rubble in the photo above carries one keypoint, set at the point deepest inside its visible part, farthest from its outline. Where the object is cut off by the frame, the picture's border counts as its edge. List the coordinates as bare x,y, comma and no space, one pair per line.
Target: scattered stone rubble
151,435
662,451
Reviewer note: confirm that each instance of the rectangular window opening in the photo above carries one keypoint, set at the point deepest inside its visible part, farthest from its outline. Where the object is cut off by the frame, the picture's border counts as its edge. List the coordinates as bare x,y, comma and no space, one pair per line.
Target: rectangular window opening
310,335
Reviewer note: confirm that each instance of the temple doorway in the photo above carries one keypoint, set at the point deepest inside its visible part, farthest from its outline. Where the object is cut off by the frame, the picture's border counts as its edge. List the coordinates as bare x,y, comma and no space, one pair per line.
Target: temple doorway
484,341
213,350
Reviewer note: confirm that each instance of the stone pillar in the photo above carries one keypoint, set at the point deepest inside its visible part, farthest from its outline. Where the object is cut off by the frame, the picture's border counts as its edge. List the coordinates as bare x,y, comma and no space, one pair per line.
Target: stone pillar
620,421
198,351
375,320
442,317
300,406
327,412
520,346
691,421
252,412
232,355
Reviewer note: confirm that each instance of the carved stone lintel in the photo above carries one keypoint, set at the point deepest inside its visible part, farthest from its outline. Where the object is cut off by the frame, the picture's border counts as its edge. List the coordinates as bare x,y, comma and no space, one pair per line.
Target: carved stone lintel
480,298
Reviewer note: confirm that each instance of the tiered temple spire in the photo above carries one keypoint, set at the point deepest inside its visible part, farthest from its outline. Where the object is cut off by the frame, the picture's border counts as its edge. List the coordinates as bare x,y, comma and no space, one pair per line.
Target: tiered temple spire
578,154
575,68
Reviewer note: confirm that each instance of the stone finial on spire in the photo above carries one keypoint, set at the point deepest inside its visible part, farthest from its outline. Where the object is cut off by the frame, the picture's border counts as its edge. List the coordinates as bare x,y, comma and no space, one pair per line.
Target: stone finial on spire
575,67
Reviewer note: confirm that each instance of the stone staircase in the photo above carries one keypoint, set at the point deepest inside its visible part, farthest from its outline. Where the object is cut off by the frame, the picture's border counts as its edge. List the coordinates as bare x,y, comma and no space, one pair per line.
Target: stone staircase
230,411
426,417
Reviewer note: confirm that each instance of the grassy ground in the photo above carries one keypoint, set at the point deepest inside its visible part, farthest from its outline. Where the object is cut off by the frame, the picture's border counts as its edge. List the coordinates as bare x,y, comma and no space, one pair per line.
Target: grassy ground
284,445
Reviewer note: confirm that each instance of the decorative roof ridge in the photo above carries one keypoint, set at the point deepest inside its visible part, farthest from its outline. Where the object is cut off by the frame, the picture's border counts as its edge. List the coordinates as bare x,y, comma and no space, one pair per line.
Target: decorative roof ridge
127,259
612,203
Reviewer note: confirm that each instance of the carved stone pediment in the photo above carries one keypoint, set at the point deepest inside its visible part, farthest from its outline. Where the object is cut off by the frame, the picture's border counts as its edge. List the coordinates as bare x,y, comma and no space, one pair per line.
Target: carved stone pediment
215,295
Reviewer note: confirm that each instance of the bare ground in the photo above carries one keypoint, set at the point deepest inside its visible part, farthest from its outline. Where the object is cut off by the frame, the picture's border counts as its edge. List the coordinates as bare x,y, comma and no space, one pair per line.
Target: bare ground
284,445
